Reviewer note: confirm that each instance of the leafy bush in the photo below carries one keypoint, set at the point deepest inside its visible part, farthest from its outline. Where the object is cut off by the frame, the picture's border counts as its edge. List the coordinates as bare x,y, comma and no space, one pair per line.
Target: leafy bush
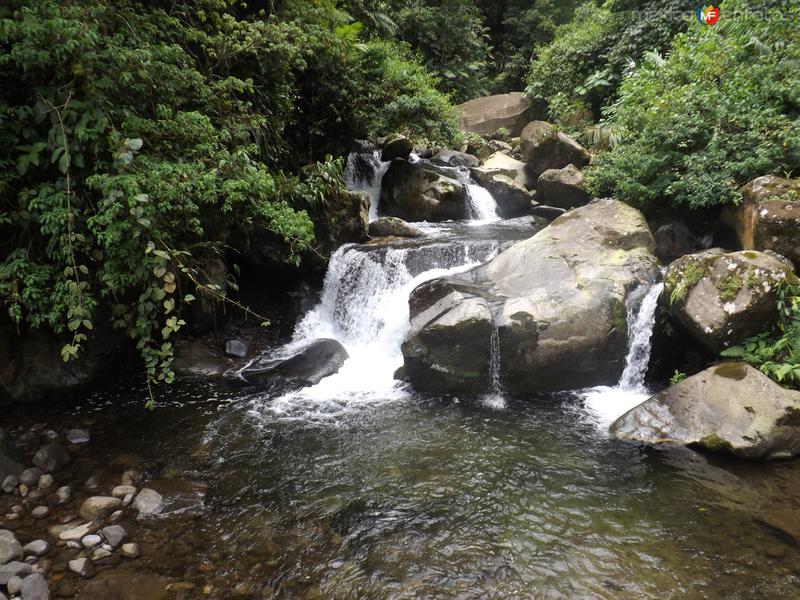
777,353
720,110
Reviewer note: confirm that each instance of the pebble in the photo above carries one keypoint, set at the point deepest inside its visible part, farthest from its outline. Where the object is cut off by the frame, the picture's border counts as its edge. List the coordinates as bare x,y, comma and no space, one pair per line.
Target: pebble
73,544
10,483
78,436
101,554
82,566
90,541
46,483
148,502
14,585
18,509
40,512
121,491
34,587
126,501
77,533
130,550
8,571
51,457
114,534
63,495
23,490
30,477
93,483
51,435
36,548
236,348
10,548
115,516
97,508
130,477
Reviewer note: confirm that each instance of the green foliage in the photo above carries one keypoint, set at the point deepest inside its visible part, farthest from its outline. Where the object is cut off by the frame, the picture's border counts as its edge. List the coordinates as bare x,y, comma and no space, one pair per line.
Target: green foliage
683,281
721,109
776,353
677,377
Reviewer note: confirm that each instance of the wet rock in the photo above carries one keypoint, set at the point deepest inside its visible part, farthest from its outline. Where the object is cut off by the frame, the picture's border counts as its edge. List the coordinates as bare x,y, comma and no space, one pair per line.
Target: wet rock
120,491
417,192
551,213
40,512
769,216
92,484
14,568
97,508
10,548
724,298
82,567
311,365
10,483
34,587
63,495
393,227
452,158
148,503
117,514
78,436
51,457
489,114
501,163
171,497
512,198
400,147
75,534
30,477
114,534
559,304
131,477
344,220
14,585
45,483
674,240
562,188
198,359
90,541
784,520
130,550
545,147
731,408
102,556
36,548
237,348
23,490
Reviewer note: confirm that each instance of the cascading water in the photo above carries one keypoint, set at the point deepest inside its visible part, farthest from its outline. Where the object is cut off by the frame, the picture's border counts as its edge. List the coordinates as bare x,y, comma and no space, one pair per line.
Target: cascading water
609,403
495,398
364,173
482,205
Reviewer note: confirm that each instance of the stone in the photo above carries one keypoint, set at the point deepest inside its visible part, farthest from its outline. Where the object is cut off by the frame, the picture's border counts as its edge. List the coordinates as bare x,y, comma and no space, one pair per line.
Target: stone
78,436
198,359
130,550
40,512
90,541
501,163
130,477
36,548
114,534
674,240
10,548
769,216
562,188
116,515
63,495
512,198
399,147
417,192
168,497
730,408
452,158
551,213
45,483
545,147
236,348
320,359
34,587
30,477
23,490
75,534
14,568
721,299
92,484
489,114
393,227
82,567
120,491
558,302
101,555
97,508
10,484
14,585
148,502
51,457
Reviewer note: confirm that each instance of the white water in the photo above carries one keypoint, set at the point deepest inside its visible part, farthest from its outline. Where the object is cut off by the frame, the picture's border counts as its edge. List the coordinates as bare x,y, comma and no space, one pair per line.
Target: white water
609,403
482,205
372,185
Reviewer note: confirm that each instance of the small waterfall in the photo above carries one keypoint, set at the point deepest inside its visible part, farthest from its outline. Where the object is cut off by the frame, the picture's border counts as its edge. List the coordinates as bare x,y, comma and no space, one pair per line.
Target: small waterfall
495,398
482,205
364,173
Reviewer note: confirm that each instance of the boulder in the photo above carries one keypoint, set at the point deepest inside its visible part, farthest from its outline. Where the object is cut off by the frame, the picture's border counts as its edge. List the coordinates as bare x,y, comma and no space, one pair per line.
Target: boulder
97,508
51,457
416,192
674,240
10,548
504,111
557,302
545,147
724,298
343,220
237,348
769,216
171,498
513,200
501,163
452,158
551,213
320,359
400,147
562,188
199,359
34,587
393,227
731,408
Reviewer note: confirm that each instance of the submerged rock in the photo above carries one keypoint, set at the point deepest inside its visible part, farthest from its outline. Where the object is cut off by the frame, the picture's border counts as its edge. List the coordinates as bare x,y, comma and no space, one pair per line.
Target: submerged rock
545,147
393,227
730,408
311,365
415,192
724,298
559,300
562,188
170,498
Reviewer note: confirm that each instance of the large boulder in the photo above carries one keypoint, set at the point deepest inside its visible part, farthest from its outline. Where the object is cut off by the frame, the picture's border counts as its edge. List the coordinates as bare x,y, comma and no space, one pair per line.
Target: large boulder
557,302
309,366
504,111
769,216
562,188
400,147
452,158
545,147
724,298
344,220
730,408
513,200
501,163
416,192
393,227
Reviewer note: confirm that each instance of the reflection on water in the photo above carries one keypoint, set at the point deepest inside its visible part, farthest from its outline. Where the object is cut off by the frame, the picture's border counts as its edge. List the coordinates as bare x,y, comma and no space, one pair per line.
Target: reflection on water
444,498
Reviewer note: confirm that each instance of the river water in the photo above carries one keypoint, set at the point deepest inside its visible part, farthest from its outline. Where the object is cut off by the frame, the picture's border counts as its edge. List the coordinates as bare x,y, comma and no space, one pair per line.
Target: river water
359,487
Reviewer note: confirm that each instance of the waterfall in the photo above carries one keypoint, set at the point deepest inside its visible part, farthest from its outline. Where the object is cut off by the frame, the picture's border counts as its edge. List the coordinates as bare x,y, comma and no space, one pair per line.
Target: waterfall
609,403
495,398
364,173
482,205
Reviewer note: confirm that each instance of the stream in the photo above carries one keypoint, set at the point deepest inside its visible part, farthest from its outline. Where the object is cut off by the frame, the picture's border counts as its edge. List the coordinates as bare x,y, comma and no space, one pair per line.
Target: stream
358,487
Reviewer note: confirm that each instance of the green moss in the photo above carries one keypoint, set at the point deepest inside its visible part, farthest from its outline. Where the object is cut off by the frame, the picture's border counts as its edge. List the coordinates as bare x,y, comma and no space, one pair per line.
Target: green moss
737,371
685,280
619,317
715,443
752,279
750,255
729,287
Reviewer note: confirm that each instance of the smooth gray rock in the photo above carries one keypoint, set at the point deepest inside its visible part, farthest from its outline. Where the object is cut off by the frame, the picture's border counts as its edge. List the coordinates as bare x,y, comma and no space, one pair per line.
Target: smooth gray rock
452,158
78,436
236,348
30,477
563,188
92,540
114,534
512,198
400,147
419,192
120,491
36,548
148,503
40,512
488,114
730,408
75,534
9,570
10,548
63,495
546,147
14,585
34,587
171,497
393,227
97,508
130,550
10,483
51,457
82,567
320,359
46,483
